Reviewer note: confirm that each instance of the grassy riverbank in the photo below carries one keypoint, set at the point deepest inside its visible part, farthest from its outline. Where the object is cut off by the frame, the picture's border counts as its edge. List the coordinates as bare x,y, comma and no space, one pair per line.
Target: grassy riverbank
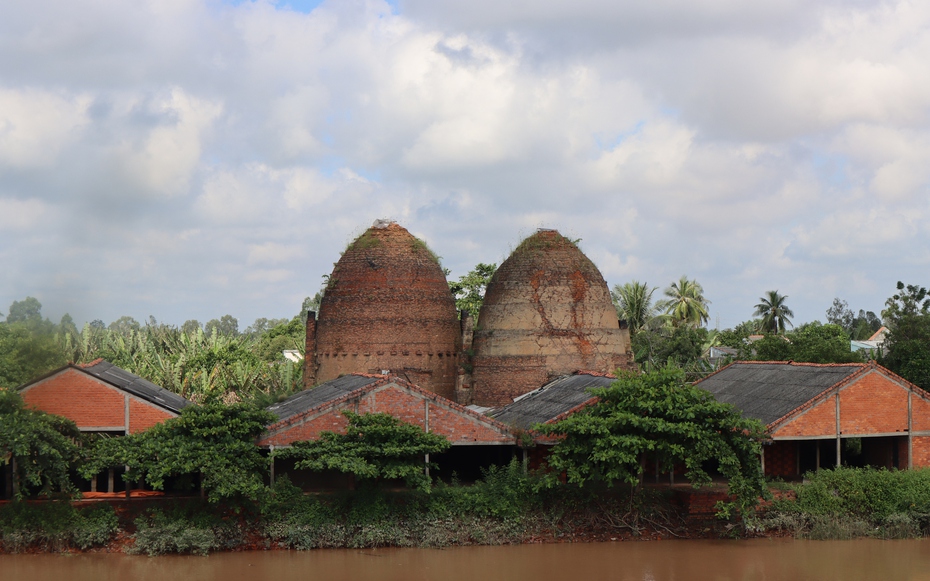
505,507
848,503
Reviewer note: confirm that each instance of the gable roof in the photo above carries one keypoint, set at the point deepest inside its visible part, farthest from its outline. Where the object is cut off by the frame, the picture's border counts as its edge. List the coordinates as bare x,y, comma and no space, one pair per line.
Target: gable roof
143,388
768,391
324,398
552,400
126,381
321,394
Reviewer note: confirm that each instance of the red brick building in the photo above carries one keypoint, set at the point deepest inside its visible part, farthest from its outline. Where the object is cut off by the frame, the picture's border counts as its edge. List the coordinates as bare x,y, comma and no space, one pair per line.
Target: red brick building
547,313
387,308
829,415
100,397
476,439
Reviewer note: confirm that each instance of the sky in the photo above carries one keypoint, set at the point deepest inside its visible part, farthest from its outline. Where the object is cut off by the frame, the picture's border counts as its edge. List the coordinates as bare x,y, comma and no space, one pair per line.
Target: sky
187,159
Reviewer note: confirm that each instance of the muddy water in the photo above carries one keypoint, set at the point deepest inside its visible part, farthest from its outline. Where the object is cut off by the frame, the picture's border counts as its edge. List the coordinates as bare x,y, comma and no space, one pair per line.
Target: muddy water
768,560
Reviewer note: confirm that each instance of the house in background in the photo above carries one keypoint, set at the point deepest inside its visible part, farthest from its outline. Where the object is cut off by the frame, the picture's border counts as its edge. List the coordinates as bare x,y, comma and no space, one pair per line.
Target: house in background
102,398
825,415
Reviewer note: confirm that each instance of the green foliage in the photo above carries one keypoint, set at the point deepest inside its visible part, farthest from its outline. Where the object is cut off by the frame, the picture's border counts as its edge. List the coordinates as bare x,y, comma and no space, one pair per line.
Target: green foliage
810,343
848,502
633,301
907,344
374,447
55,526
656,346
469,289
41,446
685,303
657,416
28,310
776,316
859,327
179,531
213,440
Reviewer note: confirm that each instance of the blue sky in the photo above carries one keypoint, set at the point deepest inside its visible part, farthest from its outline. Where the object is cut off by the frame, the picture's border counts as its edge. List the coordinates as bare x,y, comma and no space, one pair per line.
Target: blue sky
186,159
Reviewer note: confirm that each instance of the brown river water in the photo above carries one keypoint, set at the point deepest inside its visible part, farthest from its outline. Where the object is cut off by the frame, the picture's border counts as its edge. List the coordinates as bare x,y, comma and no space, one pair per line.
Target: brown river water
759,559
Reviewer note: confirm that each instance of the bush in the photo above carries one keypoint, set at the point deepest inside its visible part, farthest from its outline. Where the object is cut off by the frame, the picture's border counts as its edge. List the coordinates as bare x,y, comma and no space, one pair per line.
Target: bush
55,526
846,503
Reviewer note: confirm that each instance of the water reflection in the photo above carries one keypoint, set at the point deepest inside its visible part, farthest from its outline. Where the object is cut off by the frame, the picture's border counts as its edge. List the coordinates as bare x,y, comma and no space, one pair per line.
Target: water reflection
764,559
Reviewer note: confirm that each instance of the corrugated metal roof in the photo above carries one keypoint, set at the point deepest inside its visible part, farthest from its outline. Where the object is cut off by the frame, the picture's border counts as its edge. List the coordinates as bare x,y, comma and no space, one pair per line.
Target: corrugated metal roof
555,398
769,391
315,396
137,386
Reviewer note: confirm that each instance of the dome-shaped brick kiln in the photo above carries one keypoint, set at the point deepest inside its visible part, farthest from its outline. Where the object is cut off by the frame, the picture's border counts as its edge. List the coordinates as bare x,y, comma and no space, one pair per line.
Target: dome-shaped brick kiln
547,312
387,308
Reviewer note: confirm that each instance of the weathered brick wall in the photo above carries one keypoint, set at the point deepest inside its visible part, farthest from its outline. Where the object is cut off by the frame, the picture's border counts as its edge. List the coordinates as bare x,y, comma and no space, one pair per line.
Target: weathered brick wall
920,411
819,420
548,301
781,459
503,378
143,415
87,401
873,404
921,451
387,307
454,422
91,403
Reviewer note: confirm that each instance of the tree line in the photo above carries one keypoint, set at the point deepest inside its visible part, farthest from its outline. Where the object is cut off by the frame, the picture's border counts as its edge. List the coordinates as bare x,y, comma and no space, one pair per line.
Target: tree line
197,361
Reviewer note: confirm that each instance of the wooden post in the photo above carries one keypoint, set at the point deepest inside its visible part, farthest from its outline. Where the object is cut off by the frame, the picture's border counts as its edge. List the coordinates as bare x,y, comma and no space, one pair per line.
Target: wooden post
818,454
762,459
93,483
203,493
128,485
110,480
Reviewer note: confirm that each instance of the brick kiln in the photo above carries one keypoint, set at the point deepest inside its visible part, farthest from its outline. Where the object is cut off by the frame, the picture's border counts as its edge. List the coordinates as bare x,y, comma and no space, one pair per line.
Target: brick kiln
547,312
387,308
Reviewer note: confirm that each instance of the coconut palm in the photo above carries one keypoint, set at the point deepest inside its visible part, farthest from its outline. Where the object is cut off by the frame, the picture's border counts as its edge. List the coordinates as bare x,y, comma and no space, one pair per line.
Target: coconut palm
634,304
776,315
685,303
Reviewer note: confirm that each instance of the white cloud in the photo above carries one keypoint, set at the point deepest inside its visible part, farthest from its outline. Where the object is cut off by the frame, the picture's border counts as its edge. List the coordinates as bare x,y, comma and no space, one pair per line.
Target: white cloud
36,124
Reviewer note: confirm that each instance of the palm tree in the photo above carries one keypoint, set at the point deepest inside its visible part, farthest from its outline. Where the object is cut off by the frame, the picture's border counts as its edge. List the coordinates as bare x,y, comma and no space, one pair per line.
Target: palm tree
634,304
685,304
776,315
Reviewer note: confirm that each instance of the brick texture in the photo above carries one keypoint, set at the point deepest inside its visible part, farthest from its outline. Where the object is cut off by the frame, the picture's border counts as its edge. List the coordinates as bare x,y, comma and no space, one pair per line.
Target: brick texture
80,397
91,403
547,312
387,307
921,451
873,404
403,401
781,459
819,420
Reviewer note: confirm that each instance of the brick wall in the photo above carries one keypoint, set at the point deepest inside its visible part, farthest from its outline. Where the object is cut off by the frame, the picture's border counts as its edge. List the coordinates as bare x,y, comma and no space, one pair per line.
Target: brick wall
819,420
91,403
81,398
873,404
921,451
781,459
143,415
458,424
